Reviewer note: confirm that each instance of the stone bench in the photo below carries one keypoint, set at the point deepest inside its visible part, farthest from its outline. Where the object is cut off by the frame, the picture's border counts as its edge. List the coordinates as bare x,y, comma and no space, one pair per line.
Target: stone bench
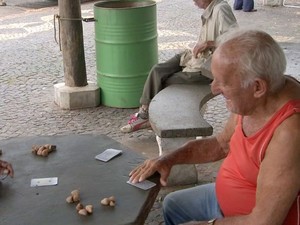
175,117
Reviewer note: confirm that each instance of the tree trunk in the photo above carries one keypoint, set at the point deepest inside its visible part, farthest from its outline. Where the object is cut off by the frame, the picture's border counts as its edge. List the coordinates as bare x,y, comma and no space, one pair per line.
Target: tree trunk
71,35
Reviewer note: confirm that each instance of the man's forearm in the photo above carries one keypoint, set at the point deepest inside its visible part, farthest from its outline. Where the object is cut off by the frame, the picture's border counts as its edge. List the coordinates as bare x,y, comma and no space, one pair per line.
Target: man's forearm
197,151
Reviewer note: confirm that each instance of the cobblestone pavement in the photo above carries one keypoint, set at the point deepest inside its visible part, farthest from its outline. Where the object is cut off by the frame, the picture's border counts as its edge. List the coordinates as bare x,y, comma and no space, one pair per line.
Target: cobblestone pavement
31,64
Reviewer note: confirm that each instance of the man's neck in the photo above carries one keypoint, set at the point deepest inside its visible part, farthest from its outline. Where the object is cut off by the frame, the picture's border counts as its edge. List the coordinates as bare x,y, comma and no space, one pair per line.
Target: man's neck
265,109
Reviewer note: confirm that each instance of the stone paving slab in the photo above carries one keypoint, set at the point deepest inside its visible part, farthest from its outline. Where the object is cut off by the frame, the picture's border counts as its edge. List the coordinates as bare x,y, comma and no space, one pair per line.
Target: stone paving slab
31,64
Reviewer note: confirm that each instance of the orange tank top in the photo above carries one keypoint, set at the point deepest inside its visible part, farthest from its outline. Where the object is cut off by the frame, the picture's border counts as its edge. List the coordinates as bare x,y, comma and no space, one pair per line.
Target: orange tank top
237,179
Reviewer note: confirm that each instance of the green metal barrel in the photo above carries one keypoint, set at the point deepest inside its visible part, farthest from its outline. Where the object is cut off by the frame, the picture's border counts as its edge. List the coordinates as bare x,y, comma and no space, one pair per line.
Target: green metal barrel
126,49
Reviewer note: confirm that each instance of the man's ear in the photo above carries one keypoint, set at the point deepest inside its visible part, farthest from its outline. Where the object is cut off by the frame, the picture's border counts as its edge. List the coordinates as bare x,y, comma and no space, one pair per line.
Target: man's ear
260,88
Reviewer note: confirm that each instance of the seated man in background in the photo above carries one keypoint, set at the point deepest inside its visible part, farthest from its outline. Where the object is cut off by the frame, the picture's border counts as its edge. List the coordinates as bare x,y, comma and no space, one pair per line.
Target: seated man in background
258,182
189,66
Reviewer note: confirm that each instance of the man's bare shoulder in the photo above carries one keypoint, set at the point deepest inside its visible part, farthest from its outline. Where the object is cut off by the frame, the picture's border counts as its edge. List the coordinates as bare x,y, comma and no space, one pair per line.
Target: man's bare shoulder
286,137
290,127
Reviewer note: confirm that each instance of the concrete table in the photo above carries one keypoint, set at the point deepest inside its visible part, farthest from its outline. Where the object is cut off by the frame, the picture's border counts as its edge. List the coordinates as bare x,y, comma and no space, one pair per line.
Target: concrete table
76,168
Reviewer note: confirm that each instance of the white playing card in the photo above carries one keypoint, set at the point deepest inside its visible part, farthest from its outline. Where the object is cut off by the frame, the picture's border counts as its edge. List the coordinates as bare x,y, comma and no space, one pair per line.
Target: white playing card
38,182
108,154
145,185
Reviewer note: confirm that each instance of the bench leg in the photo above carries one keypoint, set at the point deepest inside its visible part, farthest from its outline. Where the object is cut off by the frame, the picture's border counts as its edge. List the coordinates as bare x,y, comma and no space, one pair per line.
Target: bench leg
180,174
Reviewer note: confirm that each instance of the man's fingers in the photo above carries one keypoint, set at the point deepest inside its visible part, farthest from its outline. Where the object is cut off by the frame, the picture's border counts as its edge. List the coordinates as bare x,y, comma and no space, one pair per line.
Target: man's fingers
141,173
137,169
163,182
133,171
145,173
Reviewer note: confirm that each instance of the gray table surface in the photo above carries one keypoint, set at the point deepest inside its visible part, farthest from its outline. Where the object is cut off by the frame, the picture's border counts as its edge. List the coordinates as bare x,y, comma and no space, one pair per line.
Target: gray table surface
75,166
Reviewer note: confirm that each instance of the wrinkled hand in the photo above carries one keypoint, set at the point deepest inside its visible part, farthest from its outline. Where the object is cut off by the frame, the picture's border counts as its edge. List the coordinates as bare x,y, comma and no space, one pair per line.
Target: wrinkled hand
148,168
7,168
201,47
198,48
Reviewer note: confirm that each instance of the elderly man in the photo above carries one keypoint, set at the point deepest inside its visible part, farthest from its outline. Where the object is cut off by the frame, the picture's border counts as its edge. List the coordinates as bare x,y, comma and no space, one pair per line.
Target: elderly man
189,66
258,182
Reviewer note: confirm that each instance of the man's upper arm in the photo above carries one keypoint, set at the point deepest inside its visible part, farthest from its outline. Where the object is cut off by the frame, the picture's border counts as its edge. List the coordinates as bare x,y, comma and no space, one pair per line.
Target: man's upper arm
279,182
224,137
227,20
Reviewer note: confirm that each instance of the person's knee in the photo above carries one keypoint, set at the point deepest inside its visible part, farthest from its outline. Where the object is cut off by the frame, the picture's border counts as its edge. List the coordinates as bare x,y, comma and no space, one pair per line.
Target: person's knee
170,208
155,67
155,70
167,203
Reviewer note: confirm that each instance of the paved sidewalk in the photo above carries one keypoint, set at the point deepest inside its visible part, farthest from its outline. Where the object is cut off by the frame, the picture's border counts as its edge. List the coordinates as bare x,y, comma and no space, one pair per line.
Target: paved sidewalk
31,64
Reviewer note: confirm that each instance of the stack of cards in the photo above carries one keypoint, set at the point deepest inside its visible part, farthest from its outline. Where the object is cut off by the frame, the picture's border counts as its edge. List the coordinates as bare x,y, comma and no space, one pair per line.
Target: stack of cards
39,182
108,154
145,185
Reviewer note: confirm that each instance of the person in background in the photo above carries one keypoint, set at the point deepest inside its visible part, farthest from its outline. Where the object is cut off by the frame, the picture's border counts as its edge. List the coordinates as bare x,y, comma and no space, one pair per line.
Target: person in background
2,3
245,5
258,182
190,66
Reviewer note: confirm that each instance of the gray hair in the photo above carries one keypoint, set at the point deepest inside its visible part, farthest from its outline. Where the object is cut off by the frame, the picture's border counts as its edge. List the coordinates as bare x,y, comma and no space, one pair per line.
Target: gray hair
256,54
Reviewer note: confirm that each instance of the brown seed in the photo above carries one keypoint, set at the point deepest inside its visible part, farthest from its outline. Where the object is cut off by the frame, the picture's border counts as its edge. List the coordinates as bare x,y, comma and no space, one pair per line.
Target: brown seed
76,198
105,201
47,146
75,192
112,198
82,212
52,148
45,152
89,209
40,151
69,199
75,195
79,206
34,149
112,203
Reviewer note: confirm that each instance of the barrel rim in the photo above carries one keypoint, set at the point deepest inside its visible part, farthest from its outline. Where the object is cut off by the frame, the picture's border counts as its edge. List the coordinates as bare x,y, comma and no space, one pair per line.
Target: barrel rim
135,4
